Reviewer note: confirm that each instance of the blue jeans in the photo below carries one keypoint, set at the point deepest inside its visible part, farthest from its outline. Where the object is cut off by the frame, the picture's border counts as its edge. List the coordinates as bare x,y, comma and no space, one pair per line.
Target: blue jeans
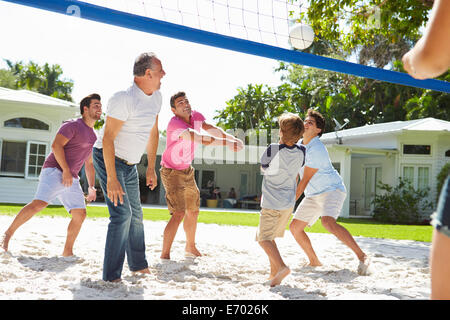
126,228
441,218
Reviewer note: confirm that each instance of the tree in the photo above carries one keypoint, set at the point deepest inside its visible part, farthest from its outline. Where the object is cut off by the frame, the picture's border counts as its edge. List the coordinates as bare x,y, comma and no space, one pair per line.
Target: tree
373,32
380,27
44,79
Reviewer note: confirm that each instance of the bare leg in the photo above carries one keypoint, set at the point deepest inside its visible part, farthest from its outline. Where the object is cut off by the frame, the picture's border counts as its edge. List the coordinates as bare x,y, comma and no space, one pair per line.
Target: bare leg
25,214
297,228
440,266
342,234
190,228
281,270
169,233
78,216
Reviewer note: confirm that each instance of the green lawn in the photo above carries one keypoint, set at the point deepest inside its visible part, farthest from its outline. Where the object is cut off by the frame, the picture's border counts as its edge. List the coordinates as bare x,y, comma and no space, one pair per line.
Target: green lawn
357,227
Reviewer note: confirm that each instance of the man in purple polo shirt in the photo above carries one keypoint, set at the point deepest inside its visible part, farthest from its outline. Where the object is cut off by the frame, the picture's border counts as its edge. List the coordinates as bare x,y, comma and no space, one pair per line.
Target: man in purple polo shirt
177,174
71,148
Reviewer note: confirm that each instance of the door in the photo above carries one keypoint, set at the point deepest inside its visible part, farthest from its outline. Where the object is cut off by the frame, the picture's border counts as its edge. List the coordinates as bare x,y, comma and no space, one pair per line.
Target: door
372,175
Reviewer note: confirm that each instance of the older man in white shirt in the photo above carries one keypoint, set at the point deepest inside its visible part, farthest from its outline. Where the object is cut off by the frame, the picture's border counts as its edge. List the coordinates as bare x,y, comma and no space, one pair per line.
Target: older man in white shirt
131,128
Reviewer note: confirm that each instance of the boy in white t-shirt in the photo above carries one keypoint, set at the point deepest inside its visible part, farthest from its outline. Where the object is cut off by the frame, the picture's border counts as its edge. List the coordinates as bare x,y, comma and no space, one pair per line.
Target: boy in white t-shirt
280,164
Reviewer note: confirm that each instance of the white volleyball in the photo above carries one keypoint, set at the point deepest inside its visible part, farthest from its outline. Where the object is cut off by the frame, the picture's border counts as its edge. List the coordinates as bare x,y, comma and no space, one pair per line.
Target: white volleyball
301,36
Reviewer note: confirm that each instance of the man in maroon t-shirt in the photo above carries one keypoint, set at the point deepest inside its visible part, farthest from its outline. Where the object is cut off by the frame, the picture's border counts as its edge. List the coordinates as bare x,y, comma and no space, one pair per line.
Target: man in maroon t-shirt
71,148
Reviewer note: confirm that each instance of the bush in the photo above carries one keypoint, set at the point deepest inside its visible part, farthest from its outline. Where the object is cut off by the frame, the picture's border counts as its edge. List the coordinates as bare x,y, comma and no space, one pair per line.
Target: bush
401,204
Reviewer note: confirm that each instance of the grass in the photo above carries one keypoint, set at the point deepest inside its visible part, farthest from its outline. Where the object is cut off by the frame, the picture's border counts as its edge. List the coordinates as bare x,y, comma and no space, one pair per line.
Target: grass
357,227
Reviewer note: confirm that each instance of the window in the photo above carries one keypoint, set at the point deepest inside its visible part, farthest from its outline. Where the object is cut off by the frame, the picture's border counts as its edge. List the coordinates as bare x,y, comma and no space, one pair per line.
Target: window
447,153
207,176
22,159
27,123
416,149
13,158
36,158
419,176
372,176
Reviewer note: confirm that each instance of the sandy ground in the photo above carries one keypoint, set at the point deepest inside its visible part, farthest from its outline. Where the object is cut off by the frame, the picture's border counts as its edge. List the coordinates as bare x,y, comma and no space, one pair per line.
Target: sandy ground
234,266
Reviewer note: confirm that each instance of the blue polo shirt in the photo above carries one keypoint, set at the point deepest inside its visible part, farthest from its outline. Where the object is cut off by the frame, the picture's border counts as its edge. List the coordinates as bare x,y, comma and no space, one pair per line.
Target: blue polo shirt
326,178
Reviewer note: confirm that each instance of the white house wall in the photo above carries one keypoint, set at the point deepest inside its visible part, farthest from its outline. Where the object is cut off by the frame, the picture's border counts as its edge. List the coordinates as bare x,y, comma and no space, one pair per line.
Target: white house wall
22,190
388,174
432,160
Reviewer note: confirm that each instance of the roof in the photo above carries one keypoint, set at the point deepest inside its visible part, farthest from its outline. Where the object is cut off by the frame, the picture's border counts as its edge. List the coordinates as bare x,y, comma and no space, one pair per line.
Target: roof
33,97
426,124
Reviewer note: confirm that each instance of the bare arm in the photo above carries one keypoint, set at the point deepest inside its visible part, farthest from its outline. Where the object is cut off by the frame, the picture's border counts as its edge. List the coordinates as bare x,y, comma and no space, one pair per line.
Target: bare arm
218,132
307,175
209,140
114,189
90,175
152,147
58,150
430,57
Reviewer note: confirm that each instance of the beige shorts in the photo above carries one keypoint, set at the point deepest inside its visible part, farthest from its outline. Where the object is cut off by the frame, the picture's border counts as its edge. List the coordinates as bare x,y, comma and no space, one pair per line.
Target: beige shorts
182,193
272,223
327,204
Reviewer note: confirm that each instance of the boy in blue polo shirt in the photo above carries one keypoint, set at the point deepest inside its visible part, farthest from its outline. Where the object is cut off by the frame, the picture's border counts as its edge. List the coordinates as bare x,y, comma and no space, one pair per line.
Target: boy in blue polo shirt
324,195
280,164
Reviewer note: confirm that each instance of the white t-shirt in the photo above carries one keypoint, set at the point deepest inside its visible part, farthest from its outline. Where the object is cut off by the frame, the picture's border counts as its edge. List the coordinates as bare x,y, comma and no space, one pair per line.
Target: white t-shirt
139,112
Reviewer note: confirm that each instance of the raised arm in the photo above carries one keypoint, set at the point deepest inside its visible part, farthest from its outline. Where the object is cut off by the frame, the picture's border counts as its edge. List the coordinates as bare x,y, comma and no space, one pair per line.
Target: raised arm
218,132
430,57
210,140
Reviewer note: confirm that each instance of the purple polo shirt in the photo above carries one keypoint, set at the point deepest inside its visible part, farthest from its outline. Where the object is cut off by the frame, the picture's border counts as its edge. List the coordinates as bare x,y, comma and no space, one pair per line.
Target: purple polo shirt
79,147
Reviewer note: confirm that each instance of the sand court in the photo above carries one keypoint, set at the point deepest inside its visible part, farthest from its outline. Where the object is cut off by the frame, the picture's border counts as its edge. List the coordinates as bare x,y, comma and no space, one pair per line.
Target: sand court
234,266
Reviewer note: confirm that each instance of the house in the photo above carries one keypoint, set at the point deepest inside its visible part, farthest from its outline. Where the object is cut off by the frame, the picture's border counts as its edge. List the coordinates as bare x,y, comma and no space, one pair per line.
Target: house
29,122
414,150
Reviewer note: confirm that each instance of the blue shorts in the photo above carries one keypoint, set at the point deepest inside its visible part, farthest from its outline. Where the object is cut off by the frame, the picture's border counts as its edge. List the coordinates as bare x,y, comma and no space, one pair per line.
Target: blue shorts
441,218
50,187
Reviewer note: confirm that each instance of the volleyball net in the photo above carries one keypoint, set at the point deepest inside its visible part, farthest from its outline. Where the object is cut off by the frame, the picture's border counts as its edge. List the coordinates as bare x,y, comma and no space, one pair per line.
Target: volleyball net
256,27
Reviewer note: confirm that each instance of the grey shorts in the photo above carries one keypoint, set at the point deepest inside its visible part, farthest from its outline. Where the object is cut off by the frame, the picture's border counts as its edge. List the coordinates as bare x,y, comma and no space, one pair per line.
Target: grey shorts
50,187
325,204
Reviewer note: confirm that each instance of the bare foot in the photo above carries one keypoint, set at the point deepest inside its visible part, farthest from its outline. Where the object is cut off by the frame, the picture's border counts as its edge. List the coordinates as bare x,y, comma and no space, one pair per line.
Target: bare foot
67,254
192,253
146,270
283,273
5,241
116,280
315,263
165,257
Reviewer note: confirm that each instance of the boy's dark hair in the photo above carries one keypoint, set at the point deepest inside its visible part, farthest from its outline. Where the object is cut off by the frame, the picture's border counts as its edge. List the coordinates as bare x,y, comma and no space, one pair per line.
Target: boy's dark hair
176,96
291,125
86,102
318,117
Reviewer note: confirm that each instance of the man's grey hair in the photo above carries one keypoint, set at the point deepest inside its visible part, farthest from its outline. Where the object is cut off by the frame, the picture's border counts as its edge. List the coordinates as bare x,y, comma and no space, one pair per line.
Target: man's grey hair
143,62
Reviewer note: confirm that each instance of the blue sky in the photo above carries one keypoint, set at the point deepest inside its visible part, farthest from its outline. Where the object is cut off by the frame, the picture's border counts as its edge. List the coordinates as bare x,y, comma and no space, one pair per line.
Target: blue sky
99,58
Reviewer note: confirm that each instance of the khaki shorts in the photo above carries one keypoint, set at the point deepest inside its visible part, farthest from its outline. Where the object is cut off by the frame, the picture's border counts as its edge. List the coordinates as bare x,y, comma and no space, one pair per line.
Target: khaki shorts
182,193
272,223
327,204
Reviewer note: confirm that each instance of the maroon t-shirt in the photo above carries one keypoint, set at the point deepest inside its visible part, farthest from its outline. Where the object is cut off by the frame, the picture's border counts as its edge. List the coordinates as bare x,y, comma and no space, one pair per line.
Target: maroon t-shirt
79,147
